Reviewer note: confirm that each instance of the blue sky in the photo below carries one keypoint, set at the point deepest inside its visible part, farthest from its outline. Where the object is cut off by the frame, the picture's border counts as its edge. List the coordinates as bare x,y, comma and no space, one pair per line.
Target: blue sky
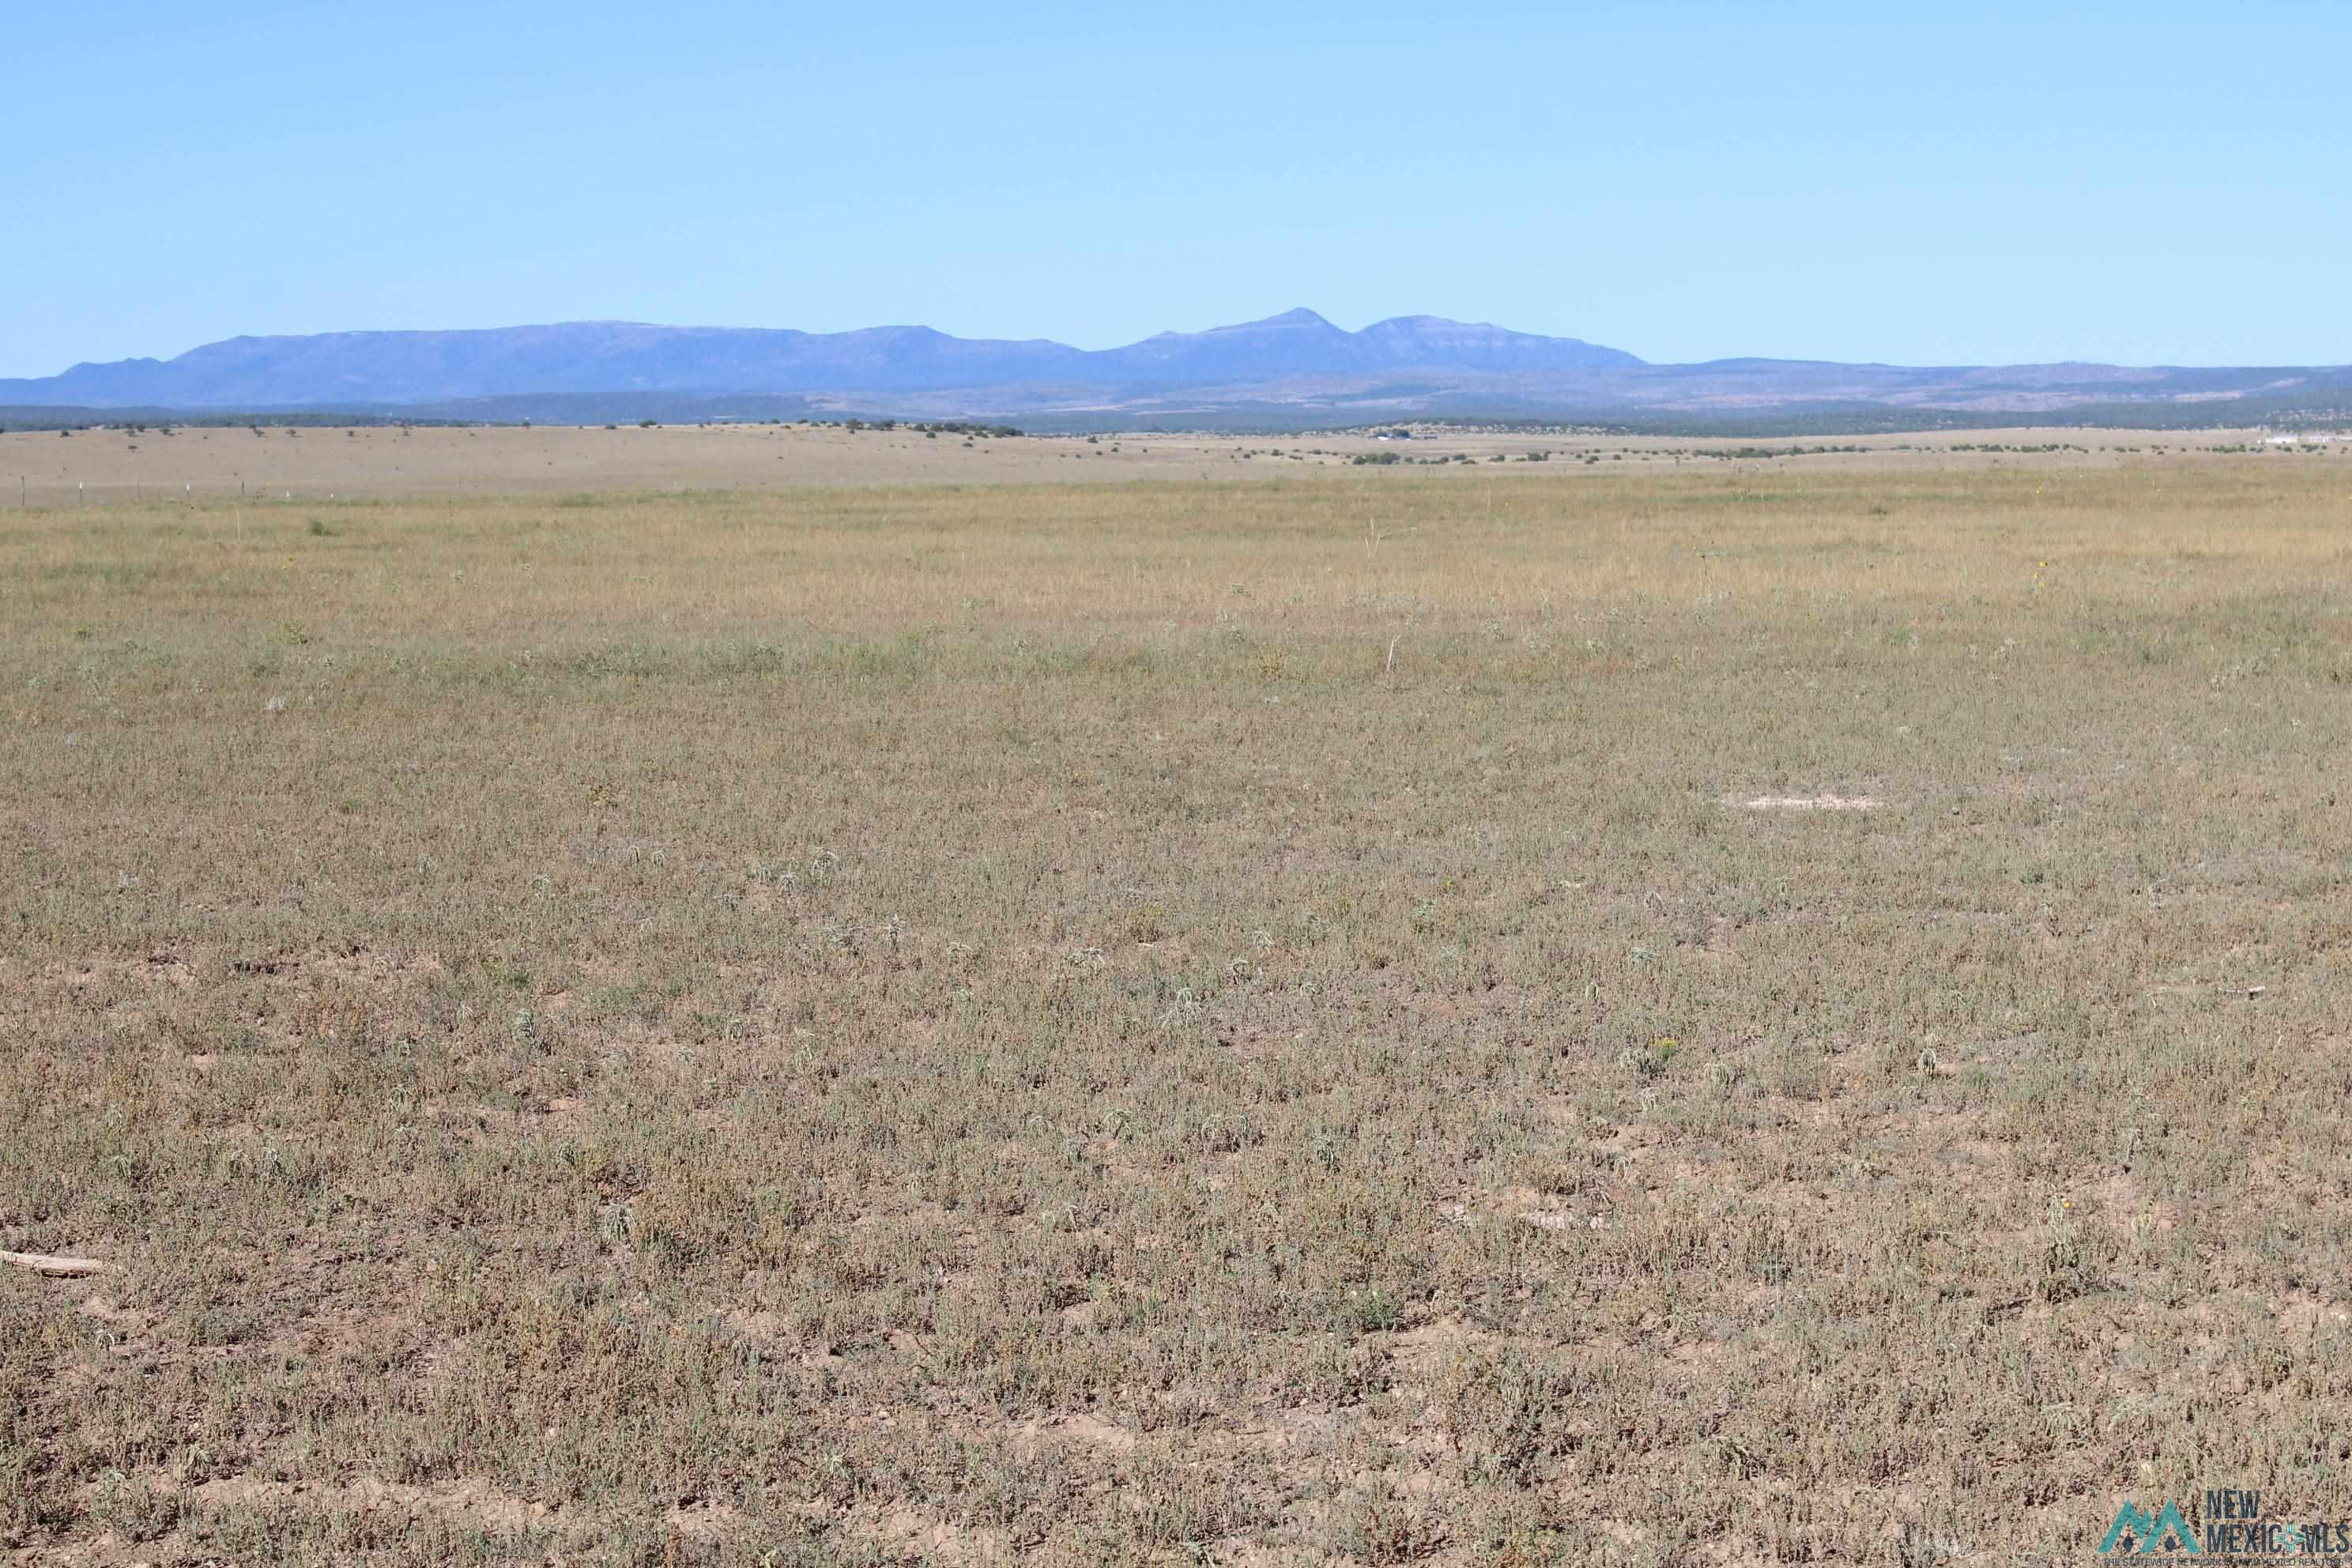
1929,184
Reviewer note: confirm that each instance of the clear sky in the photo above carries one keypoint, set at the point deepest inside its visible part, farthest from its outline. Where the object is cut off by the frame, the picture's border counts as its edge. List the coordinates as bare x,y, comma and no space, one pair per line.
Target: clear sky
1925,184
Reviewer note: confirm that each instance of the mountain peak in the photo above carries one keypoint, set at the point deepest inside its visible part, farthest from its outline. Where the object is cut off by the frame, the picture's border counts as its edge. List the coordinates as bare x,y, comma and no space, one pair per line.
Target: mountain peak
595,358
1288,369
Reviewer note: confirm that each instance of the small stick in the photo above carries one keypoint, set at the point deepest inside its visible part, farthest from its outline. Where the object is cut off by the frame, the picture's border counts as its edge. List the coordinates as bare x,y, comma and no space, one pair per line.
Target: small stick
55,1267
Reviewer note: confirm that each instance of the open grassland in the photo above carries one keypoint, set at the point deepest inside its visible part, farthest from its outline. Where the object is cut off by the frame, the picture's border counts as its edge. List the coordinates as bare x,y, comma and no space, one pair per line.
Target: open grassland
1180,1023
306,465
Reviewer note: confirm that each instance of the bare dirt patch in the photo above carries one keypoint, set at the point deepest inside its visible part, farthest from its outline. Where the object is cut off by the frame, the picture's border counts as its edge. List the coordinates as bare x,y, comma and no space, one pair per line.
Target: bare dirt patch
1810,803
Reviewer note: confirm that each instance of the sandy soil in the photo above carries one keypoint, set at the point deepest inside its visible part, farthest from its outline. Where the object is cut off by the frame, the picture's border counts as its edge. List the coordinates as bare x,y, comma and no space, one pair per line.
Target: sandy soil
42,469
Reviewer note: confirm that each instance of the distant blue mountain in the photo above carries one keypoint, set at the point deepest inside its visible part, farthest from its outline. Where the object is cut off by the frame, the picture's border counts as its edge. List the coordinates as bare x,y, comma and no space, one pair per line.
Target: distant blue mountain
1301,344
1292,370
334,369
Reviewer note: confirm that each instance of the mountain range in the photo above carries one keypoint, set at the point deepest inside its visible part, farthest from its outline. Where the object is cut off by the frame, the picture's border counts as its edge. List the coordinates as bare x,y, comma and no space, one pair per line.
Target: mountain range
1291,369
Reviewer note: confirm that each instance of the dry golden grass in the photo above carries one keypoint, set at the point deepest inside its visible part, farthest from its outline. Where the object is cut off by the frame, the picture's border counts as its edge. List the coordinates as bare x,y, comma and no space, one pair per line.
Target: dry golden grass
1184,1022
41,468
